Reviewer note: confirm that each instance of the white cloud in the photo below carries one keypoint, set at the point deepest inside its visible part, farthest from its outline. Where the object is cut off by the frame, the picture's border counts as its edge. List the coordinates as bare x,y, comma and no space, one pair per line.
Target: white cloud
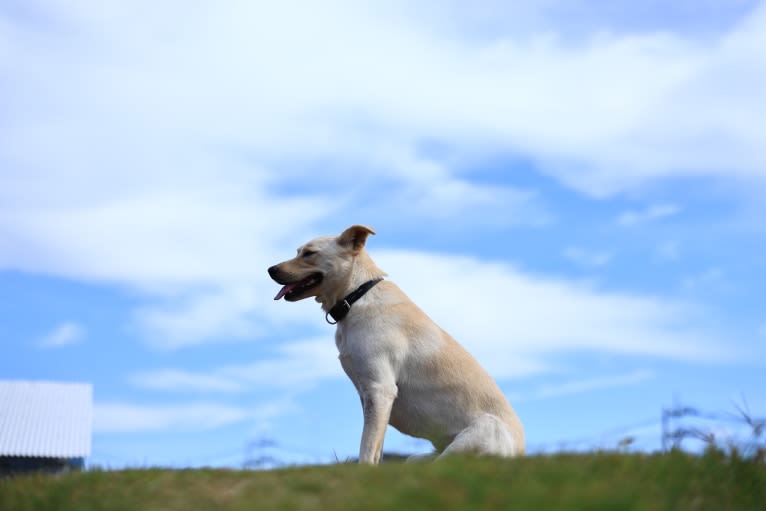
230,312
65,334
301,365
198,317
185,381
130,418
182,157
118,417
297,366
653,212
588,258
516,323
454,200
711,278
157,240
589,384
250,86
156,154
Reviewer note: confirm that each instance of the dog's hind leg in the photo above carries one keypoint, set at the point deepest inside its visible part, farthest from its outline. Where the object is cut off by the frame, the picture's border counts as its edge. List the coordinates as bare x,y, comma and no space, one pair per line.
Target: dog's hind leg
486,436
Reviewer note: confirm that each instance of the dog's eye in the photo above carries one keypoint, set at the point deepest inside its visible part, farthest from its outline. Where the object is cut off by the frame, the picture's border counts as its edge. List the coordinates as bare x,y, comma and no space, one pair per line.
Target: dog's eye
308,253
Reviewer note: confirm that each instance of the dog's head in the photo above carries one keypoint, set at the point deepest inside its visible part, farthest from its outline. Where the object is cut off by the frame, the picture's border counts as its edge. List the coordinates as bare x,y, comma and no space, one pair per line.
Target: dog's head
321,267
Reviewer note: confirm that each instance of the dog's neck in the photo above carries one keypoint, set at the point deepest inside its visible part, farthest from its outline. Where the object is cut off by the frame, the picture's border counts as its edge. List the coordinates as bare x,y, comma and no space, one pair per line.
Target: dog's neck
363,269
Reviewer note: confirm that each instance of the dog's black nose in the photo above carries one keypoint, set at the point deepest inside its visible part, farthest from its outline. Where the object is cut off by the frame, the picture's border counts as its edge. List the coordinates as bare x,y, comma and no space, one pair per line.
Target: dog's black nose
273,271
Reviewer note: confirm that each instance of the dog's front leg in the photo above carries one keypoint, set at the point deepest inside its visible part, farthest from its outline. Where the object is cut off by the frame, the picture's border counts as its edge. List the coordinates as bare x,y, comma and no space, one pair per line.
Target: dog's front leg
377,400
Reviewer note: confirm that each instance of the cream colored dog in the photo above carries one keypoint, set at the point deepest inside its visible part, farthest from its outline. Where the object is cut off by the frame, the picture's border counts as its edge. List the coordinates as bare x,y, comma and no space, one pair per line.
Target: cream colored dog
409,373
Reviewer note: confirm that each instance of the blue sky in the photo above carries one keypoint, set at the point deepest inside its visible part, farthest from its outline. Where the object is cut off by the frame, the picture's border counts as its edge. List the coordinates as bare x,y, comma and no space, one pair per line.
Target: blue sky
574,190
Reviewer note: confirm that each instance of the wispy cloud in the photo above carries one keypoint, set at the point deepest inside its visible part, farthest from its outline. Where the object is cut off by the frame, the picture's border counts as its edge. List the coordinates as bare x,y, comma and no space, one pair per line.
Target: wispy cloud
120,417
297,366
515,321
653,212
123,417
300,365
65,334
713,277
588,258
196,317
590,384
456,200
177,380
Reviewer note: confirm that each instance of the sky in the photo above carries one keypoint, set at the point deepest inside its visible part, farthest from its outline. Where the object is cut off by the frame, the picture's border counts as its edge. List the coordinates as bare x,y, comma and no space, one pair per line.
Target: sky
573,189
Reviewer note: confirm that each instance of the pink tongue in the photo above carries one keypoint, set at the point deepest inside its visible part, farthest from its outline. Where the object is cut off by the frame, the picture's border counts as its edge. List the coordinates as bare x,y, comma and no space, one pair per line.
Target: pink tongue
283,291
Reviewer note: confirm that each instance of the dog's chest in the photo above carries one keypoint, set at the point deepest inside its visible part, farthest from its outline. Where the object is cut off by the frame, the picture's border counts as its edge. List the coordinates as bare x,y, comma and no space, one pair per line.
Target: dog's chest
348,352
358,353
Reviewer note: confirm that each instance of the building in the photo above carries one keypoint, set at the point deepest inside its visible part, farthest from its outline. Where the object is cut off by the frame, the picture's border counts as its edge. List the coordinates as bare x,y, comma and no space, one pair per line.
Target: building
44,425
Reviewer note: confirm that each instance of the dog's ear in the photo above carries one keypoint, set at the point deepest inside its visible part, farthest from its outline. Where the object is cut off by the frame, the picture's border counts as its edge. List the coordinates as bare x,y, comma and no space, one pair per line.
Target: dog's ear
354,237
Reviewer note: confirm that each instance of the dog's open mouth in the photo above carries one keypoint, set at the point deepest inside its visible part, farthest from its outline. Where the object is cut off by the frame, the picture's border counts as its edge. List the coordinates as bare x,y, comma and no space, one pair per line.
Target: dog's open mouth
295,289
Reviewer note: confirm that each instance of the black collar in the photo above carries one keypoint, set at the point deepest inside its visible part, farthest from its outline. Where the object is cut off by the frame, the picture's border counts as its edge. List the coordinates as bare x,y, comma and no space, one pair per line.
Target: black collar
341,309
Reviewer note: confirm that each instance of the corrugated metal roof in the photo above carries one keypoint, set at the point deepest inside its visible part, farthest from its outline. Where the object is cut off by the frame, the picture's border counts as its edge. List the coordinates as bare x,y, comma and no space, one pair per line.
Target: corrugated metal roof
45,419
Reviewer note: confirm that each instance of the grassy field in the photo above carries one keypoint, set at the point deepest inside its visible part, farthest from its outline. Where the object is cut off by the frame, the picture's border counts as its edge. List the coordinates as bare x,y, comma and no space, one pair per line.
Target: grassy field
592,482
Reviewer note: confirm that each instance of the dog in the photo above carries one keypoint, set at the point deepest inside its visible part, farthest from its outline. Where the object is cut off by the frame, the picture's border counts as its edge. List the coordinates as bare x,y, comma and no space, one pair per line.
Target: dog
408,371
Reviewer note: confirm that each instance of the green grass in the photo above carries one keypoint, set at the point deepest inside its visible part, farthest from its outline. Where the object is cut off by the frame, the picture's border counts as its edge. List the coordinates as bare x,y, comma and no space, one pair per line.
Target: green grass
591,482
